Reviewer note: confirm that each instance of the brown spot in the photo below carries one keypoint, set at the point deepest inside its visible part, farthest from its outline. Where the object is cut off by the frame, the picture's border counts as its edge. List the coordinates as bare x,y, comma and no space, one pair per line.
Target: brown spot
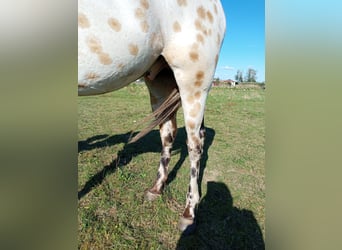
177,27
144,26
198,83
165,161
144,4
83,21
200,38
91,76
197,143
133,49
200,75
81,85
198,95
193,172
155,41
94,45
105,58
210,16
114,24
191,125
190,99
182,2
198,24
186,213
195,110
140,13
193,56
201,12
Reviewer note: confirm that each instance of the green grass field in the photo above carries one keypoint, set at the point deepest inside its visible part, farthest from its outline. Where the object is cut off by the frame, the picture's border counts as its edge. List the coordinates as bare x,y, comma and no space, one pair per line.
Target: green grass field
113,176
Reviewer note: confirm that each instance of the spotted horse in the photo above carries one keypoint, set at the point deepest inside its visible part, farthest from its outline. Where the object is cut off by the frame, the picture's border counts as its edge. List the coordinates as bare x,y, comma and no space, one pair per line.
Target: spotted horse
174,45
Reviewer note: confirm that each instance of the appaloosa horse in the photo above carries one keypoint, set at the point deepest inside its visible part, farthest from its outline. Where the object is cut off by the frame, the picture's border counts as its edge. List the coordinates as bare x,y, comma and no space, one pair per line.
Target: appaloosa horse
175,45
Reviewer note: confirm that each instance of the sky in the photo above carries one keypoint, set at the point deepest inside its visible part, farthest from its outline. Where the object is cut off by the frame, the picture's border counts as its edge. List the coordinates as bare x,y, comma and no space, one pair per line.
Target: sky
244,43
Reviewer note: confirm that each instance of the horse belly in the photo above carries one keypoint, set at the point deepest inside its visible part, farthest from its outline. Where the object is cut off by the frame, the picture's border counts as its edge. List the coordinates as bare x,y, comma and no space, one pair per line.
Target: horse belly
117,43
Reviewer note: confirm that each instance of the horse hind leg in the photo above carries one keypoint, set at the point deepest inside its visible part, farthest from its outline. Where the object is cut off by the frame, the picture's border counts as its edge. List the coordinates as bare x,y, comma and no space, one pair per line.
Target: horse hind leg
193,83
163,92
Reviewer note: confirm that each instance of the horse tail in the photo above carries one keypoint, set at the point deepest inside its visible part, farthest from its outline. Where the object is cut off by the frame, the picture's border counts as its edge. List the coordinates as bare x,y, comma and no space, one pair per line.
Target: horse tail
168,108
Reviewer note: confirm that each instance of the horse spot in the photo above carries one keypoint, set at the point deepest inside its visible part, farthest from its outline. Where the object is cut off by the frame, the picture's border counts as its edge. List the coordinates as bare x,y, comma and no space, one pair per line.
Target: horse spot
201,27
114,24
91,76
193,56
200,38
158,175
198,24
198,83
182,2
197,143
210,16
144,26
144,4
190,99
133,49
83,21
177,27
140,14
199,75
186,213
198,95
193,172
105,58
155,41
165,161
201,12
94,45
195,110
191,125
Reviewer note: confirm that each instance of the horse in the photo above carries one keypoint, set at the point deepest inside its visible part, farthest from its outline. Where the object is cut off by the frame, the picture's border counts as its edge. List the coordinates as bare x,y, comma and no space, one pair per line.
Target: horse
175,46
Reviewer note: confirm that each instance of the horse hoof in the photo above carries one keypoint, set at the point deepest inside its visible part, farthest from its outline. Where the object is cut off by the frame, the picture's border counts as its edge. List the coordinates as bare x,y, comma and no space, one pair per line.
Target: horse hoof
187,226
149,196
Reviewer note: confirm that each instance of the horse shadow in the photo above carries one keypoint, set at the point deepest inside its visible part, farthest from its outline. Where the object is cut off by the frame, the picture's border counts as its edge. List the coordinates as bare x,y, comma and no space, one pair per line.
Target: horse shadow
149,143
220,225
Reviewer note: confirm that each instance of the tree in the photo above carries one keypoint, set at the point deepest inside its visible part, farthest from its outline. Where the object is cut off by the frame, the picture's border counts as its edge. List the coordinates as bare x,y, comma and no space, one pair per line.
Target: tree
216,80
238,76
250,75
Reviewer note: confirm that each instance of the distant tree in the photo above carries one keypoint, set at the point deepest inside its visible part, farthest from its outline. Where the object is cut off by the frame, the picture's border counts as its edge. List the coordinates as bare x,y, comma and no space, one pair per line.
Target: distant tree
250,75
238,76
216,80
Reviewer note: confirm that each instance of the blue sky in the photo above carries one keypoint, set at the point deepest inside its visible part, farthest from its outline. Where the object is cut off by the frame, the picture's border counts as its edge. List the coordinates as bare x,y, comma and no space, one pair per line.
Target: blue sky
244,42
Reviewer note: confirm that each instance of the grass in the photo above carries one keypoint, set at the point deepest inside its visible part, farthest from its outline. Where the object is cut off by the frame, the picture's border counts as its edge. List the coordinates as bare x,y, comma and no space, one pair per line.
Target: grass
113,176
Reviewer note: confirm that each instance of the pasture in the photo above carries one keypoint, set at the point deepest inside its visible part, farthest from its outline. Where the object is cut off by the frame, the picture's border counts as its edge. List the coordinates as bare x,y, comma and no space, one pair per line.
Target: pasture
113,175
